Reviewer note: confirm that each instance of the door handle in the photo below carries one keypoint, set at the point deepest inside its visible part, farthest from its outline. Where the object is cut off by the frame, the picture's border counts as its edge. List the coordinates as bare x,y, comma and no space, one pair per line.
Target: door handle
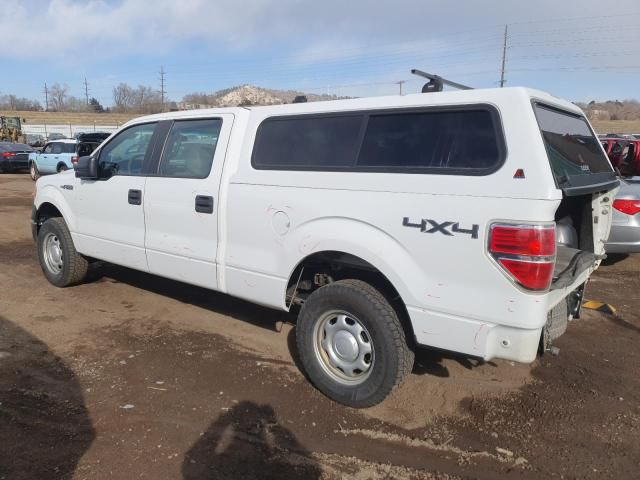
135,197
204,204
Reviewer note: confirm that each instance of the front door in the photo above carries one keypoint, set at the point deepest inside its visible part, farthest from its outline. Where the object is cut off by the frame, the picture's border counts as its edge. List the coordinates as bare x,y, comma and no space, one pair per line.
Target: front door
181,201
110,219
45,162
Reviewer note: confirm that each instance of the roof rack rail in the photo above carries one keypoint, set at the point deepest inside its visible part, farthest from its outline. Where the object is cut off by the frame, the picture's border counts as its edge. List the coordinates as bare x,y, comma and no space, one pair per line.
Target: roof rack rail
436,82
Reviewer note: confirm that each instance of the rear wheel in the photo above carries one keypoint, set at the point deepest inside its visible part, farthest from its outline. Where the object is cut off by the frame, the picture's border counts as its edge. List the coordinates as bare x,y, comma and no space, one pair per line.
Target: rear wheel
60,262
33,171
351,343
62,167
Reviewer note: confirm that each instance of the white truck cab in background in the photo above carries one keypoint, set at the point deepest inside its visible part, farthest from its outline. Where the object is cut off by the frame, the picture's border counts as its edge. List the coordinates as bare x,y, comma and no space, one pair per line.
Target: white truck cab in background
467,221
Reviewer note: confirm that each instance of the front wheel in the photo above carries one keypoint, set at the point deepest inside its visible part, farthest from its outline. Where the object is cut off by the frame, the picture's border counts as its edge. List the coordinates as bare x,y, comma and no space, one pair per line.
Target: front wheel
61,264
351,343
34,172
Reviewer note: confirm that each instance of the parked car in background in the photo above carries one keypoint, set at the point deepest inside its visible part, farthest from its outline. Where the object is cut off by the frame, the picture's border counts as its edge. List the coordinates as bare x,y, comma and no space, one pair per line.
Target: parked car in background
55,136
14,156
624,155
35,140
60,155
92,136
625,229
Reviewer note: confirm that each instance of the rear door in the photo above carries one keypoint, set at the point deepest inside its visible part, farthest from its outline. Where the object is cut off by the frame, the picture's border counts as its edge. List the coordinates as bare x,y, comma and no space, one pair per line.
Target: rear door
181,201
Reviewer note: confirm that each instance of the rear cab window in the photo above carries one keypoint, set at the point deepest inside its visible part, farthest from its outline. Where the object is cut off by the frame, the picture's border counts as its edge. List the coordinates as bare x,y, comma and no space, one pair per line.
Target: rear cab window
575,153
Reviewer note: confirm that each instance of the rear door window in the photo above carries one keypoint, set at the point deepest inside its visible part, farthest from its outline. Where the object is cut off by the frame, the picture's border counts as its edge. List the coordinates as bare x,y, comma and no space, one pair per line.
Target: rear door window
189,149
68,147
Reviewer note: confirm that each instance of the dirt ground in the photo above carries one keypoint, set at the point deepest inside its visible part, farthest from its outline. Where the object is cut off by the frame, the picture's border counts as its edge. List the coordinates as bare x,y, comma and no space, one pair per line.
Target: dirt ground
132,376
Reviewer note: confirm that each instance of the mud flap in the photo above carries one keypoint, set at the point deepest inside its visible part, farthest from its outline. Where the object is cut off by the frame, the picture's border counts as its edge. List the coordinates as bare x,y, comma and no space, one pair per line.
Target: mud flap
557,321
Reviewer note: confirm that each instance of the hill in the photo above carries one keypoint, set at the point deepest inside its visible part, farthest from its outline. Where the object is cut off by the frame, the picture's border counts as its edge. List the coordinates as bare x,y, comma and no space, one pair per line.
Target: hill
248,95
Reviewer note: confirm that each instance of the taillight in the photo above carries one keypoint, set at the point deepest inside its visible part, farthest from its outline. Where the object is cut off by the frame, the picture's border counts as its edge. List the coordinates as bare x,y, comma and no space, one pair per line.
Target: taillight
8,154
74,160
630,207
525,252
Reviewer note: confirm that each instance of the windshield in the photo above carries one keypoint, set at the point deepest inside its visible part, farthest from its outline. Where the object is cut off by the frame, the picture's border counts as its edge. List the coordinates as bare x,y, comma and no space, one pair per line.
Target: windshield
12,122
572,147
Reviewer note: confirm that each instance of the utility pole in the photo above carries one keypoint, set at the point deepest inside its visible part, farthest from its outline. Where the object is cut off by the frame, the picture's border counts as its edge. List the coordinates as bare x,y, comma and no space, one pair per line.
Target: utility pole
162,85
46,98
400,85
86,90
504,55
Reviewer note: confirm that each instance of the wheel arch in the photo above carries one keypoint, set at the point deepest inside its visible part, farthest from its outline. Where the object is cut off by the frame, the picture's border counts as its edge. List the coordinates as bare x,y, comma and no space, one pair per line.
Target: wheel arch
318,267
50,203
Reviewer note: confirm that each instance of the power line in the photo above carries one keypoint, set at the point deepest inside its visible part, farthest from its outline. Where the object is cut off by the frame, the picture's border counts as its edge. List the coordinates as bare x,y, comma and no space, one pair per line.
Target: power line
46,97
86,90
162,84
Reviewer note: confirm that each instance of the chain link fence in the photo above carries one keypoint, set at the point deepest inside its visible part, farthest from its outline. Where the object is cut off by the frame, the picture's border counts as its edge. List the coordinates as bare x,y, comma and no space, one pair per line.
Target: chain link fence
69,130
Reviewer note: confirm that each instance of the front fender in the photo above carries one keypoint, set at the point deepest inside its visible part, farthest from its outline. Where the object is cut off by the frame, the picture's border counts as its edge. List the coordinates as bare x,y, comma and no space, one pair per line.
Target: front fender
362,240
47,193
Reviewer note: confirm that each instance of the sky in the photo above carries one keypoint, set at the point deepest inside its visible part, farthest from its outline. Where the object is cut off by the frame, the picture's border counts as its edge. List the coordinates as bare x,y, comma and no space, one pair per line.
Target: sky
579,50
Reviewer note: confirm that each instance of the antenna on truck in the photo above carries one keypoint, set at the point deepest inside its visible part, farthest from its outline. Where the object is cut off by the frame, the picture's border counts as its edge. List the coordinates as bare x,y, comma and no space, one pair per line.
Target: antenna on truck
436,82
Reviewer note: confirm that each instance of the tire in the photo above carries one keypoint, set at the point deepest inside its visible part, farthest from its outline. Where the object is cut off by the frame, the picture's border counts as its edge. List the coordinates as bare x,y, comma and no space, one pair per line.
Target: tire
331,325
62,168
34,173
61,264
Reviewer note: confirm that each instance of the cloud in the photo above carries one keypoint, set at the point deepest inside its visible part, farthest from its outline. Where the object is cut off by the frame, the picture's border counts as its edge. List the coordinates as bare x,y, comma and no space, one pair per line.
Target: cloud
314,29
333,41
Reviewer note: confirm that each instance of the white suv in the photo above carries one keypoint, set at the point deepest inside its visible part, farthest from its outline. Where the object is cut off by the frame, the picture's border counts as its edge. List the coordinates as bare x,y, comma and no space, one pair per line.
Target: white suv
467,221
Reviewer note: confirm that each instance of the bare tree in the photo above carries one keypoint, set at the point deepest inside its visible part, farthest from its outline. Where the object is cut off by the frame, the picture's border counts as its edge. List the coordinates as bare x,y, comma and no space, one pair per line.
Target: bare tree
122,95
58,97
143,99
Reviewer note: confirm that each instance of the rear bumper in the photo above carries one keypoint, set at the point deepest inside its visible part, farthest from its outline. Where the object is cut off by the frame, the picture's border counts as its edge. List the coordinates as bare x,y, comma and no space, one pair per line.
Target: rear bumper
517,342
479,339
14,164
623,239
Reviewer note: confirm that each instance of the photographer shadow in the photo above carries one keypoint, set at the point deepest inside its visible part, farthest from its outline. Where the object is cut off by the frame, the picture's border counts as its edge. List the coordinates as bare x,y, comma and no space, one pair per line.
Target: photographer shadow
45,427
247,442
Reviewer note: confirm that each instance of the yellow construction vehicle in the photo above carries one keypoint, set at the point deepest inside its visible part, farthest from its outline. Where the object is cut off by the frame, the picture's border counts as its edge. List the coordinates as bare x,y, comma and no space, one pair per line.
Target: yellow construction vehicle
11,130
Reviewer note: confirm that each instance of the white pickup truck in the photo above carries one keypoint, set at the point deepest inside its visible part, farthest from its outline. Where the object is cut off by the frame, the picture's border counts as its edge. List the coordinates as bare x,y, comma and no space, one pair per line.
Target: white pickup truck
467,221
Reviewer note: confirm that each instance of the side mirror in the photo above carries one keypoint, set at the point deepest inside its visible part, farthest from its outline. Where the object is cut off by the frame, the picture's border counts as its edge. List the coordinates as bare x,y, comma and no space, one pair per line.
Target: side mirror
87,168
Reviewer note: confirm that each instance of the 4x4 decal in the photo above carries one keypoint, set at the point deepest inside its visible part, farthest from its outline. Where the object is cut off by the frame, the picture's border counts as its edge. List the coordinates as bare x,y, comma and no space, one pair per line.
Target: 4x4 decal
427,225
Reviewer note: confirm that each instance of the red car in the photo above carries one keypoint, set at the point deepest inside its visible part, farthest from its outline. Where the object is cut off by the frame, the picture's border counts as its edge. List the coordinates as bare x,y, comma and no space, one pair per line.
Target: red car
624,155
